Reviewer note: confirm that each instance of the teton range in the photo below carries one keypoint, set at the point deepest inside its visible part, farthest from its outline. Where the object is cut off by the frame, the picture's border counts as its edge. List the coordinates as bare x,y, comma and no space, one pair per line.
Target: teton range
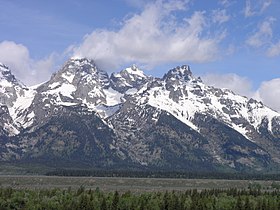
82,116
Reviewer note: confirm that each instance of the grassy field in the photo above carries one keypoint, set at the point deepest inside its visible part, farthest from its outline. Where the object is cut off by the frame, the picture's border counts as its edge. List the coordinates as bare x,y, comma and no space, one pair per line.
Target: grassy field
125,184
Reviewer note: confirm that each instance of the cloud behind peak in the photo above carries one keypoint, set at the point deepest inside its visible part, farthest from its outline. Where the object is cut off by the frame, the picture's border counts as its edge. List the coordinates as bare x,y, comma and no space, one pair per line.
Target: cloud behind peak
153,37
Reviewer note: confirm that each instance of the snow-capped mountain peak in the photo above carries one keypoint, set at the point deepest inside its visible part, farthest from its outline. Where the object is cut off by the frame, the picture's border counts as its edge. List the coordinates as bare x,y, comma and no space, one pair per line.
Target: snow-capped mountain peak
7,78
79,81
180,73
135,72
82,66
184,96
77,69
138,115
10,87
3,68
129,78
16,97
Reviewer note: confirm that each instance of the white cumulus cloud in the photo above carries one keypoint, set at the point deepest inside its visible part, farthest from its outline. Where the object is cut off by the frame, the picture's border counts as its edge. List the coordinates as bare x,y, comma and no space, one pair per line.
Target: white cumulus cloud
17,57
152,37
269,93
234,82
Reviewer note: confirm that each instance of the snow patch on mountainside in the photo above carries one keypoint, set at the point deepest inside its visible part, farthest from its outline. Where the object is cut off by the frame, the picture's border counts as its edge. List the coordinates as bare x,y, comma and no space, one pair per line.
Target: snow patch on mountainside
22,103
4,83
68,76
64,89
257,115
54,85
184,111
105,111
12,130
113,97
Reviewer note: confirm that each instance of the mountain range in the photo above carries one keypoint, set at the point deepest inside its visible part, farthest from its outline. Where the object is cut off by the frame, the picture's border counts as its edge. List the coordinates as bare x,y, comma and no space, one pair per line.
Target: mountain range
85,117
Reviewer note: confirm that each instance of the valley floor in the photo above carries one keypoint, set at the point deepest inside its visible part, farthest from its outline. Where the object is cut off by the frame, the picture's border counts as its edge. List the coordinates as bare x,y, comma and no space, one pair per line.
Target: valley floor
110,184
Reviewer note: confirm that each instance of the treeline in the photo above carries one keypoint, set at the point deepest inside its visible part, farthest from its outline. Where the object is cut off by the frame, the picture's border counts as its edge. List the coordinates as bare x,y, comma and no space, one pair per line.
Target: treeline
97,200
163,174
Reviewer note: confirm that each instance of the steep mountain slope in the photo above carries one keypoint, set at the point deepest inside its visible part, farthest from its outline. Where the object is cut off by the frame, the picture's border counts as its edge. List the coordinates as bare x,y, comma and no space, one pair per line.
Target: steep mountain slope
78,83
73,136
81,115
15,98
192,102
131,79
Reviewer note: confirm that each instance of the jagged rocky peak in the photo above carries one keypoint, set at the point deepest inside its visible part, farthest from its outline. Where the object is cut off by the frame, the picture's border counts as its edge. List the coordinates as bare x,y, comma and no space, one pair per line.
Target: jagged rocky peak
131,77
182,73
78,81
83,65
3,68
10,87
77,69
6,74
134,72
179,76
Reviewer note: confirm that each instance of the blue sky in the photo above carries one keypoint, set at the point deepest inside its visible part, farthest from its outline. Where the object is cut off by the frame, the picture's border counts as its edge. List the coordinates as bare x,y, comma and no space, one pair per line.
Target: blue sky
230,43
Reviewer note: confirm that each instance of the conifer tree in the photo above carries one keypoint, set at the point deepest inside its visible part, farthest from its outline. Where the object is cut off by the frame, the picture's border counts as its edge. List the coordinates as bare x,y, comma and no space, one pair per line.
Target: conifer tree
115,201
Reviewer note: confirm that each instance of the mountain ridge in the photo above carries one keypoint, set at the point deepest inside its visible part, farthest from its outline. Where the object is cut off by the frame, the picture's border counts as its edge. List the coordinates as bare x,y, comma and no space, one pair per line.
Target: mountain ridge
174,121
